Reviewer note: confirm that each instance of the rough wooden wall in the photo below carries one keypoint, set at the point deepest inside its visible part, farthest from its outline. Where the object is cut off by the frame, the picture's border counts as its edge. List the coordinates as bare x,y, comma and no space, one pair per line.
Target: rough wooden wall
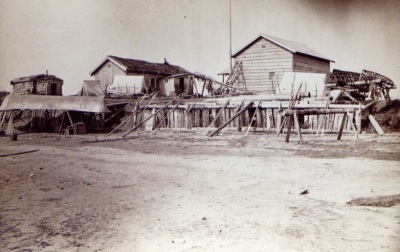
304,63
263,64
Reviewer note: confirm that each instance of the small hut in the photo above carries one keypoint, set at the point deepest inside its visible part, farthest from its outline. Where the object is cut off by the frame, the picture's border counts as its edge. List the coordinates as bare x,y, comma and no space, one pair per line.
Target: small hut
42,84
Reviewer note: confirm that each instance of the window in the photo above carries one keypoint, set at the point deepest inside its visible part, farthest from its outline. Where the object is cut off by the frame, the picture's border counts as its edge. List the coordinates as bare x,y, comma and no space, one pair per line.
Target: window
264,46
182,84
271,75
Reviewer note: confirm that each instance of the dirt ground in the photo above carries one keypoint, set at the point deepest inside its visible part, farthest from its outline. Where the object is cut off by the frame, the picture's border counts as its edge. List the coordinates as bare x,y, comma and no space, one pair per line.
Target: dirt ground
187,192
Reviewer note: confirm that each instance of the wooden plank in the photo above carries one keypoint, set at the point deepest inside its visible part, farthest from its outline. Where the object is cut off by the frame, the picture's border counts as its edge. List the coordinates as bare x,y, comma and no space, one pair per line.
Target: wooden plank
72,124
153,114
352,125
253,117
289,128
232,118
376,125
342,126
297,126
166,116
219,113
62,124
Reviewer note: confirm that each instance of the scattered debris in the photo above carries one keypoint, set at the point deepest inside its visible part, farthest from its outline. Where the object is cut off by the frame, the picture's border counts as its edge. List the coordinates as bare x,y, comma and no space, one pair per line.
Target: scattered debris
380,201
304,192
18,153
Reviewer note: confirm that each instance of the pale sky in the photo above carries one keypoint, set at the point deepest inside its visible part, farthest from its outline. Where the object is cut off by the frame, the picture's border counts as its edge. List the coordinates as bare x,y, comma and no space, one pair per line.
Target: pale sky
70,38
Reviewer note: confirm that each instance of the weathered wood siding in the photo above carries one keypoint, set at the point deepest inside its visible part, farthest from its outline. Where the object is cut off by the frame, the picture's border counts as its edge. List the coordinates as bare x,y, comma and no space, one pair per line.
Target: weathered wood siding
40,88
23,88
304,63
263,65
106,74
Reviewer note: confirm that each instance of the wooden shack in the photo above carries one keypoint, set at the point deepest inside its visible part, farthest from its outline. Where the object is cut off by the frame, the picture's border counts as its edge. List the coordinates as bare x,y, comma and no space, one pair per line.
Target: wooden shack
153,73
266,58
42,84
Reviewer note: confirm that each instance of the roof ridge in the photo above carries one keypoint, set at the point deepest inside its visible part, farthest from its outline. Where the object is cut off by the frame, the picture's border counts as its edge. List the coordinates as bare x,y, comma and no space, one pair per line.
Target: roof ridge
292,46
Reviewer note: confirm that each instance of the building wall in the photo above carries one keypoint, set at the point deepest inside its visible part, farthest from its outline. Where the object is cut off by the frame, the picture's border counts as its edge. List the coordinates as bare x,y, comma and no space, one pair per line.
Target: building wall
303,63
23,88
106,74
40,88
151,83
263,65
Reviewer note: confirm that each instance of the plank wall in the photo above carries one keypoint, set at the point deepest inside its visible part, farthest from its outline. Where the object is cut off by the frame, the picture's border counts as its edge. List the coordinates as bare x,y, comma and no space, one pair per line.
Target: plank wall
23,88
259,60
304,63
106,74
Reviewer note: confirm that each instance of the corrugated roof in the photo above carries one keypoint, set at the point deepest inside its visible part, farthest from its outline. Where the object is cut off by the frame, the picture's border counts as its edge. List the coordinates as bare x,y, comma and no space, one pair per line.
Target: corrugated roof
291,46
39,77
141,66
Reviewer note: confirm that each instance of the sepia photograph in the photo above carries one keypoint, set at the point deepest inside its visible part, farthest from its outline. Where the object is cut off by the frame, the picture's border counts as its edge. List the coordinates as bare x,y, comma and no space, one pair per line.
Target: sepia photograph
199,125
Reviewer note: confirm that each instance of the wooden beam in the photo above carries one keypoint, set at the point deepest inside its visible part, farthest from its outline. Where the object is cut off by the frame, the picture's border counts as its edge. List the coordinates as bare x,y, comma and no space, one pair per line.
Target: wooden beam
297,126
342,126
153,114
141,107
252,118
376,125
315,111
219,113
165,117
232,118
289,128
62,124
352,125
71,122
349,96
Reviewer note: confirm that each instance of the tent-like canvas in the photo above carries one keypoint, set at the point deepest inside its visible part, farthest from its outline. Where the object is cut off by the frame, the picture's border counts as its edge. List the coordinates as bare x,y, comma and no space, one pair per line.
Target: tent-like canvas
50,102
315,83
91,88
127,85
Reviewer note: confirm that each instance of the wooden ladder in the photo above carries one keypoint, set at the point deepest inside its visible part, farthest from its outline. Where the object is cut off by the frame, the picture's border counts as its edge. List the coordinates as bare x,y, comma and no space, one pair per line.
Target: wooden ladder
236,77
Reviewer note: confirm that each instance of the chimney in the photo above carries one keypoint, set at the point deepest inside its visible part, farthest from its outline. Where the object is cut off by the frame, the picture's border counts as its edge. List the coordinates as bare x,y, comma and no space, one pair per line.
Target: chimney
47,72
165,61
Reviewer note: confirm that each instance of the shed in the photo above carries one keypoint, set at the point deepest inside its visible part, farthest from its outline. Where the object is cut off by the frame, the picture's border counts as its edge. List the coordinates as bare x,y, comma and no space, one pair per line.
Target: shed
42,84
113,66
266,58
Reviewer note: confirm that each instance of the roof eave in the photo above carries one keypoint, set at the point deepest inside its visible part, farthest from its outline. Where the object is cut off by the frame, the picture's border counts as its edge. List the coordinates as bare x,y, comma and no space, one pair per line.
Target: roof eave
110,58
264,37
321,58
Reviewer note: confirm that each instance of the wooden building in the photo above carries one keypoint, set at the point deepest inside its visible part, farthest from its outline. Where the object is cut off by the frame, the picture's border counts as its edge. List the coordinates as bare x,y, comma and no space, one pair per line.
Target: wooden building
154,73
41,84
266,58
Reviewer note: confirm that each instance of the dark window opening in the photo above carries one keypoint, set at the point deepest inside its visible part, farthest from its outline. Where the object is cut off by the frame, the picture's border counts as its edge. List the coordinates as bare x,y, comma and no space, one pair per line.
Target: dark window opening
53,89
181,84
271,75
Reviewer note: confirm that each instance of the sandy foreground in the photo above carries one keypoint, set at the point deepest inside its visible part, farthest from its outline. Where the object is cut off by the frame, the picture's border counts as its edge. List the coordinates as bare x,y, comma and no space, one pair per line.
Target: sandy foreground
187,192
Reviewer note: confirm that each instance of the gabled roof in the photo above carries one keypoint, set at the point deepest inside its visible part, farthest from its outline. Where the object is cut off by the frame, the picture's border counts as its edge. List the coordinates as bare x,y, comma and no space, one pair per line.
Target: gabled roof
141,66
291,46
40,77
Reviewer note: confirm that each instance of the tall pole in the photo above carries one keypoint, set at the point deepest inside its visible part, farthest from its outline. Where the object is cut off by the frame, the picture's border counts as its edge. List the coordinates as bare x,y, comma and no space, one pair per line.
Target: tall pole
230,35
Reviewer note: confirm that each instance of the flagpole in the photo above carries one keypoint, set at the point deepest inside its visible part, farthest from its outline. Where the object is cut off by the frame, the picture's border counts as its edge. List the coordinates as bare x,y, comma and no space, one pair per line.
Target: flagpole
230,34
